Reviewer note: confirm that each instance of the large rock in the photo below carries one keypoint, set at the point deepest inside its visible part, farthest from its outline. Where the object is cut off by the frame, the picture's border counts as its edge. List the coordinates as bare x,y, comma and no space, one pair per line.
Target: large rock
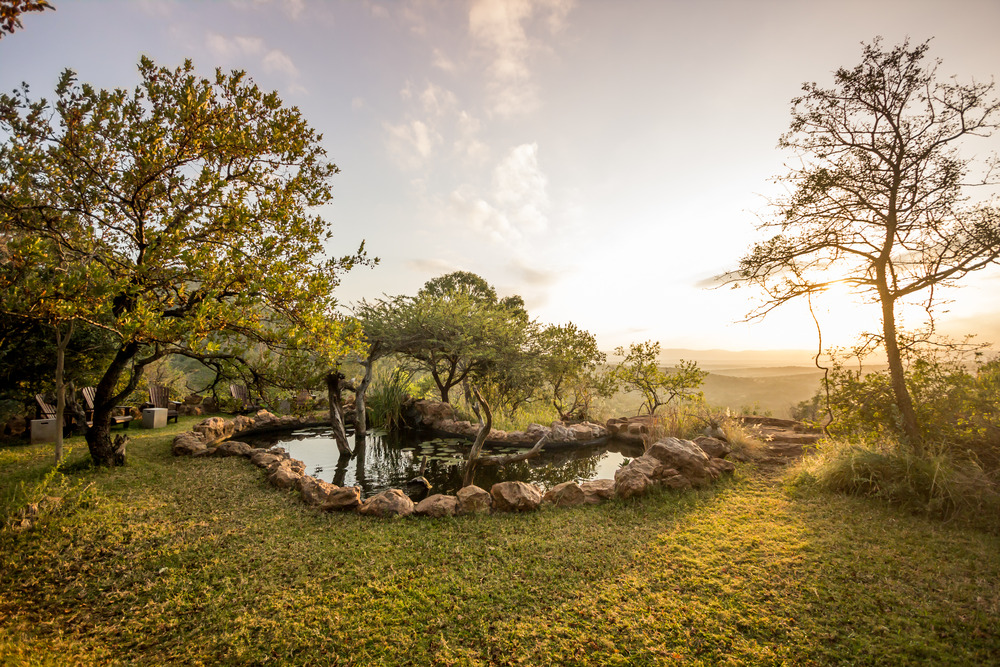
631,482
187,444
474,500
214,428
314,491
684,456
713,446
721,467
598,490
242,423
262,418
284,477
390,503
343,498
263,458
437,505
536,432
561,433
515,497
567,494
234,448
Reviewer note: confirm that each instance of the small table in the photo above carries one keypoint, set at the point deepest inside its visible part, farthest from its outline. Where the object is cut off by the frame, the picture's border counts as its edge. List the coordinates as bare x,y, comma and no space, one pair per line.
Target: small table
154,417
43,430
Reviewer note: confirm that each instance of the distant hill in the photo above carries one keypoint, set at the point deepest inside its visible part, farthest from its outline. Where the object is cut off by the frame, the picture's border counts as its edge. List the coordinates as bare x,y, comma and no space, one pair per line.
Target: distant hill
770,391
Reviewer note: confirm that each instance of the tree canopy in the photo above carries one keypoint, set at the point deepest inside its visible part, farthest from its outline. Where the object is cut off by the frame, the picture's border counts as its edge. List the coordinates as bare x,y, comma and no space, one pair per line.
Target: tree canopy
189,200
876,197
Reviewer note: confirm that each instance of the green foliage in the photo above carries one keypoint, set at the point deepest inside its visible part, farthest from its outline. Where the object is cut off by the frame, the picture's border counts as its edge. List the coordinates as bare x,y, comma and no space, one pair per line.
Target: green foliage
456,329
955,401
386,396
639,370
189,202
572,367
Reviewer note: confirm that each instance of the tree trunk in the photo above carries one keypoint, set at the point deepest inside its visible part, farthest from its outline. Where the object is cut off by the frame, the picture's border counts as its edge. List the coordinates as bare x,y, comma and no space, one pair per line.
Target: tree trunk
897,375
360,416
480,406
61,343
103,451
333,389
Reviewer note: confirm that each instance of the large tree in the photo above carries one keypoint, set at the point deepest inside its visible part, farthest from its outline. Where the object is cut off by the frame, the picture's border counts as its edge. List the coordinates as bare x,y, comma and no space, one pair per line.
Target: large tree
875,194
194,196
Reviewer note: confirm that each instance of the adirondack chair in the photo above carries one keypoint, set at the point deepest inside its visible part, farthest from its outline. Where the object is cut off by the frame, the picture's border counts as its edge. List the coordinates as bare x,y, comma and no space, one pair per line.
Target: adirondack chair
48,411
242,394
124,418
159,396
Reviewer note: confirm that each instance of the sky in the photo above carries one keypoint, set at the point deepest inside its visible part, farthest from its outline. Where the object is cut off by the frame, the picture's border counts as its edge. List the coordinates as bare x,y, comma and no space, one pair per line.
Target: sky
602,159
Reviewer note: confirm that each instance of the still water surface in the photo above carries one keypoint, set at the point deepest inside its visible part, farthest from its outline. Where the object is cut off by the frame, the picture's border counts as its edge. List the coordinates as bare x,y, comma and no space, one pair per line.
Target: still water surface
389,460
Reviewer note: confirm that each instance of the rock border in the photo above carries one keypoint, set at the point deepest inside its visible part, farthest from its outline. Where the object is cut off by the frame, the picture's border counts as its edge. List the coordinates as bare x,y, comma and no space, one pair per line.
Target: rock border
670,462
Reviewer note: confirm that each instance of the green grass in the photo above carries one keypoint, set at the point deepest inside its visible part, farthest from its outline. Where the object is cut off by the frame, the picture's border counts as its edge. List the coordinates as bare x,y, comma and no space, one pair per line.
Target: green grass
198,561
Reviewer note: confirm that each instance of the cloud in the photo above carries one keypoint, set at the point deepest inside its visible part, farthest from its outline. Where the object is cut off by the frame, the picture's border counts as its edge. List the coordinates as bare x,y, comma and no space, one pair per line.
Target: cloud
293,8
235,47
433,266
239,48
410,144
517,204
278,62
500,27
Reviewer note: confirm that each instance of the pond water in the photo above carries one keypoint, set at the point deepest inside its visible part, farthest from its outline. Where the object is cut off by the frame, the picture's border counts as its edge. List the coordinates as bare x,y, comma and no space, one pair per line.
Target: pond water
390,460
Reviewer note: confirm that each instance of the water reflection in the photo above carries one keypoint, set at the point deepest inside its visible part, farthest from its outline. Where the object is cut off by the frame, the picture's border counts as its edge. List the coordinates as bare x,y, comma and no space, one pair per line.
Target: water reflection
389,460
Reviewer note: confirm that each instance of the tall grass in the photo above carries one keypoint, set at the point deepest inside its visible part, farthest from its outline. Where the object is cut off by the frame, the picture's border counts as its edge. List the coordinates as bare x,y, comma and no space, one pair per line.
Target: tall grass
936,483
386,396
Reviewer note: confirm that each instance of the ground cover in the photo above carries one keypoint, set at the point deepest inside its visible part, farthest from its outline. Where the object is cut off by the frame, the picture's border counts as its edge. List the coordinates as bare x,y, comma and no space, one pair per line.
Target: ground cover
198,561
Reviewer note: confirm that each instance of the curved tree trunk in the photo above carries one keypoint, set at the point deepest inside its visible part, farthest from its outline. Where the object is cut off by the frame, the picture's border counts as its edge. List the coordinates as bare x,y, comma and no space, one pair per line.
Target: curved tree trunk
360,416
103,451
334,386
481,408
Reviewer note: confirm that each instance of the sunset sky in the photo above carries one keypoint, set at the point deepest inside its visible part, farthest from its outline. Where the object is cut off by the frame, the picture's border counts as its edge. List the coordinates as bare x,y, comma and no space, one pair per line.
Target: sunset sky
602,159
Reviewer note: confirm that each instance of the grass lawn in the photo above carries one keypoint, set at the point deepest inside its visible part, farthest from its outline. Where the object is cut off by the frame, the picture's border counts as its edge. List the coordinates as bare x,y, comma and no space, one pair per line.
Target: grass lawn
198,561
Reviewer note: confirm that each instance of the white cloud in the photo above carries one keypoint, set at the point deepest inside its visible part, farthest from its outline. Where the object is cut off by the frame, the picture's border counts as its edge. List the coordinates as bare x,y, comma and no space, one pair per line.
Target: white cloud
500,27
517,204
233,47
278,62
293,8
443,62
239,48
410,144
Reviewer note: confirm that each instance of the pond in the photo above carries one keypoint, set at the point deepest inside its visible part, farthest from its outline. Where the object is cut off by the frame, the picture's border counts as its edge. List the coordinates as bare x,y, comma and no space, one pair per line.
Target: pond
390,460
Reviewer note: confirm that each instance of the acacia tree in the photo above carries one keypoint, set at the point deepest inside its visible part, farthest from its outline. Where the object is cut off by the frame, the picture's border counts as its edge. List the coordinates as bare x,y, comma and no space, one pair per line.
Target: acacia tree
639,370
570,363
876,197
195,196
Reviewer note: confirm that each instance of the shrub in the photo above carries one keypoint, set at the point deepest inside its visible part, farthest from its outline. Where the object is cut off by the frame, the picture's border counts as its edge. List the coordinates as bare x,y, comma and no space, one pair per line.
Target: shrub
386,396
937,483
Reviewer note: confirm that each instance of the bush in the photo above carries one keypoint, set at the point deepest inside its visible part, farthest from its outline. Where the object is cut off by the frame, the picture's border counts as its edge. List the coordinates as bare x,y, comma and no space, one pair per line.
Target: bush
937,483
386,396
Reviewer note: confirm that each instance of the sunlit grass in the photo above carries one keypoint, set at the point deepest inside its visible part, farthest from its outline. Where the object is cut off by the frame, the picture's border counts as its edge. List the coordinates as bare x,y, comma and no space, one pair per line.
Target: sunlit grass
198,561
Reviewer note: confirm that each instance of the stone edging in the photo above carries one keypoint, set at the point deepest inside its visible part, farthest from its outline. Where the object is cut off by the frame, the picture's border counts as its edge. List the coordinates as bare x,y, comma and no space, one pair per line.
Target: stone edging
670,462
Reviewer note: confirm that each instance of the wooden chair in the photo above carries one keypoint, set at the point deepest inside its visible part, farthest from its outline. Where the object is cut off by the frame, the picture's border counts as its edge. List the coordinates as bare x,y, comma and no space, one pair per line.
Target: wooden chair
124,418
48,411
242,394
159,396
